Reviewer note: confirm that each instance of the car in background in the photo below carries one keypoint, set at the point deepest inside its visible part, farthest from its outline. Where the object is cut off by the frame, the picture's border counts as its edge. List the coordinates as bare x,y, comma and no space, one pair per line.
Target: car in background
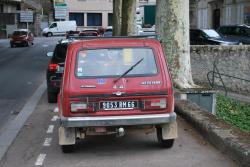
55,69
236,32
89,33
72,34
108,32
209,37
113,85
59,28
21,37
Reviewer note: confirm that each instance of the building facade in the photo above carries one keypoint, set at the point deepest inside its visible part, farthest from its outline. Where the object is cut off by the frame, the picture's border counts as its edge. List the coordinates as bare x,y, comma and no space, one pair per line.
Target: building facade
94,13
214,13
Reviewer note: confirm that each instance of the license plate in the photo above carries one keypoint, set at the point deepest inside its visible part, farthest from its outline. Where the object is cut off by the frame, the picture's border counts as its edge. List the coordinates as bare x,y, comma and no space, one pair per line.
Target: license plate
117,105
17,41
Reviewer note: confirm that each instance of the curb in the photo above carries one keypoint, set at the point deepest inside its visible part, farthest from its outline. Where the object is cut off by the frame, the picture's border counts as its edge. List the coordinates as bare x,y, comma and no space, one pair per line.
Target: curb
230,140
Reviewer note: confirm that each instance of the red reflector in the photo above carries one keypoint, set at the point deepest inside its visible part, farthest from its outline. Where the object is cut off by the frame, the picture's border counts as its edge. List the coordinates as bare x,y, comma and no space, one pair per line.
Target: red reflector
53,67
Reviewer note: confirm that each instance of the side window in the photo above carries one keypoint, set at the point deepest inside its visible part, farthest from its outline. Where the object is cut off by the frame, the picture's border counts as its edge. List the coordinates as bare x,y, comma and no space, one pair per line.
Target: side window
223,30
237,31
244,32
53,25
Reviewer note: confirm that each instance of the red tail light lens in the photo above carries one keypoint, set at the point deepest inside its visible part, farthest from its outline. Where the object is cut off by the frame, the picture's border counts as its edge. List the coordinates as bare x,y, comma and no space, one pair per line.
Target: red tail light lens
53,67
155,104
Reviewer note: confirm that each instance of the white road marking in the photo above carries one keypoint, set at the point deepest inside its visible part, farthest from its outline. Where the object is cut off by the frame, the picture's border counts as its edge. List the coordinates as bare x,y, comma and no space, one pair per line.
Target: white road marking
56,109
40,160
45,45
47,142
50,129
55,118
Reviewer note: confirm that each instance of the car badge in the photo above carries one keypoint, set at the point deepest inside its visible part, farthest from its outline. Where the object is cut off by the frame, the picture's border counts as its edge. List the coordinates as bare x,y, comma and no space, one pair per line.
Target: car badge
118,87
118,93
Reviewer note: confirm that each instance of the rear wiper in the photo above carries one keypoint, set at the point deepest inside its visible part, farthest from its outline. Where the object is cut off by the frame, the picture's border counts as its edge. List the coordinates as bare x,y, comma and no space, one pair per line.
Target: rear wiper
126,72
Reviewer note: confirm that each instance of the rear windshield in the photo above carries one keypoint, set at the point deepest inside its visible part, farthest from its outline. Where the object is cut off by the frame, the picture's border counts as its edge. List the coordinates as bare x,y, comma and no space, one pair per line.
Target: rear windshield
115,62
20,33
60,51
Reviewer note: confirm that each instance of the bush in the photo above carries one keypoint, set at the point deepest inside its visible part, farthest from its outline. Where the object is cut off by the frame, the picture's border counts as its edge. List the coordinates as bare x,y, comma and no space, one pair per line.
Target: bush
233,112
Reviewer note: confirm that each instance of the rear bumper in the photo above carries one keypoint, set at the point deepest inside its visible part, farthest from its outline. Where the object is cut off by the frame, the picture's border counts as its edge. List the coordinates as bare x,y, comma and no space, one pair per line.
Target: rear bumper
152,119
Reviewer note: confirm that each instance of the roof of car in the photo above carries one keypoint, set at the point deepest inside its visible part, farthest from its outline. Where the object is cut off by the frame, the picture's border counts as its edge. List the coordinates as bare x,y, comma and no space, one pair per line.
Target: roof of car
117,42
241,25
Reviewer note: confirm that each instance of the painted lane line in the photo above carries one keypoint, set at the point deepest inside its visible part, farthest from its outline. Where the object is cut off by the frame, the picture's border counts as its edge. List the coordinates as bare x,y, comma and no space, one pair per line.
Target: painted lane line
55,118
40,159
47,142
50,129
56,110
45,45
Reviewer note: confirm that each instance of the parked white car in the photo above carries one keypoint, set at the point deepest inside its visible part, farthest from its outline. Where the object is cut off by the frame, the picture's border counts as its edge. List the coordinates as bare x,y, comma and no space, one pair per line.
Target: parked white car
59,28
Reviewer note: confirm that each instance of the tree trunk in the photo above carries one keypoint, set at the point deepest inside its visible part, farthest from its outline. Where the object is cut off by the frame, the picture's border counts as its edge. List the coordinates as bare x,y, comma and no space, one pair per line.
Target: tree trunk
128,17
172,26
117,15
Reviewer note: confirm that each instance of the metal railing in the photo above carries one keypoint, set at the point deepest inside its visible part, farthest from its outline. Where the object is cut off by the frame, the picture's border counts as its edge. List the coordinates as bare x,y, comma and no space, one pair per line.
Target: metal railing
216,74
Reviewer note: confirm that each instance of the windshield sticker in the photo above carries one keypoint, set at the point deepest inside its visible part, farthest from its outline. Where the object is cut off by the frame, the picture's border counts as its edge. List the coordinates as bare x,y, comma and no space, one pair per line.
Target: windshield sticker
127,56
79,70
151,83
101,81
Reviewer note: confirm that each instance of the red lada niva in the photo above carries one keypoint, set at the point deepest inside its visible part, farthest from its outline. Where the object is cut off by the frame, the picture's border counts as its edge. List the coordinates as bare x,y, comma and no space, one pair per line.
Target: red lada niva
114,85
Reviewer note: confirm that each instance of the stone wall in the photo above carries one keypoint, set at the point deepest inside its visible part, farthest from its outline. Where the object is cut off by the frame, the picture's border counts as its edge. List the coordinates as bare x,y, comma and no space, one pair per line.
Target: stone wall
230,60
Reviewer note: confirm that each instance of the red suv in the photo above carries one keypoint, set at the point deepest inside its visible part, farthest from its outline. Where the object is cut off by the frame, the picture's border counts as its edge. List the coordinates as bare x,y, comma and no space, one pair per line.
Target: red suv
112,85
21,37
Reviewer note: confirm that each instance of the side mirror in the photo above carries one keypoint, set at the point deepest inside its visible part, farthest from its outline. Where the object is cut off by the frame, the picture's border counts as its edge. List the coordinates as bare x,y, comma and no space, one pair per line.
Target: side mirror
50,54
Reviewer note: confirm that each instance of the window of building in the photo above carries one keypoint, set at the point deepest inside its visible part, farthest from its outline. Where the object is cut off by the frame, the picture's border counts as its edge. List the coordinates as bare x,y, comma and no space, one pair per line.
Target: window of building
247,15
110,19
78,17
94,19
1,8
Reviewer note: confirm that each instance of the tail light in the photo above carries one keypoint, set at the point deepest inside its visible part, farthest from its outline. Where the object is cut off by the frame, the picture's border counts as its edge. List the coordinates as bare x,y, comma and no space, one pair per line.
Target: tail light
53,67
155,104
76,107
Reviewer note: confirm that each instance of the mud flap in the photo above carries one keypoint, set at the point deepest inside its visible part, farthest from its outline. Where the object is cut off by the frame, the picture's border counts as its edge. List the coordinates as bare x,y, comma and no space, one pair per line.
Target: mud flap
67,136
169,130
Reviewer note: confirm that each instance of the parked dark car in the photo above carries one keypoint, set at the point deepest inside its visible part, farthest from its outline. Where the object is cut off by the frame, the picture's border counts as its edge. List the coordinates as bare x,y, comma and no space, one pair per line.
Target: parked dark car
22,37
55,69
209,37
236,32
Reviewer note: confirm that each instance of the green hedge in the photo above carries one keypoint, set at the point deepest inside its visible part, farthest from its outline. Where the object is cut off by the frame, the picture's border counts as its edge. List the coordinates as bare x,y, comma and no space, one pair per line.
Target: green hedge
233,112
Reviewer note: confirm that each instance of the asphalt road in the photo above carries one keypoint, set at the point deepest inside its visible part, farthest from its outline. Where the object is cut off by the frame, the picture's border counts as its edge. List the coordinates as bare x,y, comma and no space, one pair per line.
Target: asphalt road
22,70
37,145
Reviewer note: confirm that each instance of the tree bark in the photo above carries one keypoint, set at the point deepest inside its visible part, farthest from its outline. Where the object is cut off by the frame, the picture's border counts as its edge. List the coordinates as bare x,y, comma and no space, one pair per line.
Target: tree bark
128,17
117,15
172,26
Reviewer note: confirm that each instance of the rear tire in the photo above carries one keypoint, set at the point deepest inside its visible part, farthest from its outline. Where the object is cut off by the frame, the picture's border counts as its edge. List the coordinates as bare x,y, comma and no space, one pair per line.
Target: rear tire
68,148
11,45
52,97
164,143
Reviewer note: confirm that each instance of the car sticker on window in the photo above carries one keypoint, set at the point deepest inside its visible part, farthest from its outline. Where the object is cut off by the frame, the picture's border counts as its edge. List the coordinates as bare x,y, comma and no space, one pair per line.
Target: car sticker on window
79,70
127,56
101,81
